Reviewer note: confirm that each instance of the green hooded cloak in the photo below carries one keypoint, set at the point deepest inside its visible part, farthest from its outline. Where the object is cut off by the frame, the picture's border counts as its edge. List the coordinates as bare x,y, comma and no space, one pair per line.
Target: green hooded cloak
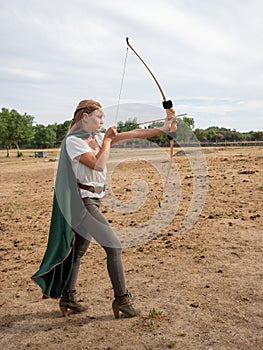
67,213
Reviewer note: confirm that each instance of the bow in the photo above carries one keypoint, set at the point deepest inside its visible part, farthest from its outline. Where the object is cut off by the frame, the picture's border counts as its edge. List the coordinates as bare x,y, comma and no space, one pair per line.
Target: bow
167,104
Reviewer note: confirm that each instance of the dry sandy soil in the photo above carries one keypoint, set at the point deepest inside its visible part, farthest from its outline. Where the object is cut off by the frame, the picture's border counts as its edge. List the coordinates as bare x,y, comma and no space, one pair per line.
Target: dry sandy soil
199,288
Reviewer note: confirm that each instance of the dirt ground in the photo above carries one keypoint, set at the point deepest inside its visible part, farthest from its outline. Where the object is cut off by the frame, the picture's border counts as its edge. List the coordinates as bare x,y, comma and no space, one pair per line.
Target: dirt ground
197,289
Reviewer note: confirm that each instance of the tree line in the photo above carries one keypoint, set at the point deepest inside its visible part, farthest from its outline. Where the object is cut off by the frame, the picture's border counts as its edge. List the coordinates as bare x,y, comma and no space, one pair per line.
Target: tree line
20,131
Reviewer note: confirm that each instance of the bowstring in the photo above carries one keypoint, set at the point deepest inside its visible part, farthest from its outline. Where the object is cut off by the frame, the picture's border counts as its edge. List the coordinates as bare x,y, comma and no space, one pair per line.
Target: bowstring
122,79
117,114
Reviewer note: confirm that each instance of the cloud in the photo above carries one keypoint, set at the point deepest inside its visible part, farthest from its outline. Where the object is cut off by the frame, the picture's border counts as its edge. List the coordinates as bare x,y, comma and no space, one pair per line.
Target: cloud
55,53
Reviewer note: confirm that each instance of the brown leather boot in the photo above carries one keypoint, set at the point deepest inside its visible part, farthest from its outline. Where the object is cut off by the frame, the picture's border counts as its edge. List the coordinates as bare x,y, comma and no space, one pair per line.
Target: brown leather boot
124,304
68,301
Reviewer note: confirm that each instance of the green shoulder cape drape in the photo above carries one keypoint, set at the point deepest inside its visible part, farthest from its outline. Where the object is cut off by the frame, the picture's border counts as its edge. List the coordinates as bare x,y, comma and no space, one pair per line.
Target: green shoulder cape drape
67,212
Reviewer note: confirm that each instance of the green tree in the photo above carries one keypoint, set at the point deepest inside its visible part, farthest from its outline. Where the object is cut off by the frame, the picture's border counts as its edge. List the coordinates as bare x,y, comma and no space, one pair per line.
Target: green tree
61,131
211,133
15,129
4,130
184,132
45,136
130,124
257,135
201,134
189,122
162,139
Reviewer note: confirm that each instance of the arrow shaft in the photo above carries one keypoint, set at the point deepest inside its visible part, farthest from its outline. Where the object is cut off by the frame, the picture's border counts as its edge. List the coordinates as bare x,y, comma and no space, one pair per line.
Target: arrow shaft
149,121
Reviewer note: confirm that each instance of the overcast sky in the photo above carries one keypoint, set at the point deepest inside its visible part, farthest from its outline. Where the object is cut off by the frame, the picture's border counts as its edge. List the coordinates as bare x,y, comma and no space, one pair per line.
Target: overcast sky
206,54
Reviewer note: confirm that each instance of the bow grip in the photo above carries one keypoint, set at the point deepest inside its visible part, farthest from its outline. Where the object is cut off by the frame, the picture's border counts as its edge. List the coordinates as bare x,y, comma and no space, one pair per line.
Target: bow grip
167,104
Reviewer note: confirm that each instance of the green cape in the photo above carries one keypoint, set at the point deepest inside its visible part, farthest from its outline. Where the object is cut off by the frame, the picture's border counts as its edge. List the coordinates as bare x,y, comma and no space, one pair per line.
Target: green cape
67,213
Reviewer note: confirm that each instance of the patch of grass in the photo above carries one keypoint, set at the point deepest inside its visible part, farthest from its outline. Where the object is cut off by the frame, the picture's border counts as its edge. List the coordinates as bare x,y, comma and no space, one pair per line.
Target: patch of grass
219,213
155,314
151,324
171,345
260,188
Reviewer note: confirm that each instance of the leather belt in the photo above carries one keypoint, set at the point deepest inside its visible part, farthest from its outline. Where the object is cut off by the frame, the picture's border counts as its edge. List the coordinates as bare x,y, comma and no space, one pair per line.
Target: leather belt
93,189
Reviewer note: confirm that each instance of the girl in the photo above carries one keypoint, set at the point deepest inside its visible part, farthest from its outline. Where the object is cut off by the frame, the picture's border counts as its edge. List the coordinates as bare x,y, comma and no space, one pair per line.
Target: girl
82,171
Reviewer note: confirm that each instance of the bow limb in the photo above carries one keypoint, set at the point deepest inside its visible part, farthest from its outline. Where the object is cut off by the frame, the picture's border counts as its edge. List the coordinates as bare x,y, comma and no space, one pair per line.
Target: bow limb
149,70
173,129
172,132
171,136
166,105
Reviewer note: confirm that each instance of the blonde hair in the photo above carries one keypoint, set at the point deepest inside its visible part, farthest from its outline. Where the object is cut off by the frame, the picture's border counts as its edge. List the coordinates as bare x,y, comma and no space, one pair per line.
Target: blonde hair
84,106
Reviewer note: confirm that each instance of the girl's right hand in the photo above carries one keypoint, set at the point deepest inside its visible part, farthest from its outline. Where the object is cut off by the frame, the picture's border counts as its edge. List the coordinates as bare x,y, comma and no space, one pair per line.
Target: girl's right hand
111,133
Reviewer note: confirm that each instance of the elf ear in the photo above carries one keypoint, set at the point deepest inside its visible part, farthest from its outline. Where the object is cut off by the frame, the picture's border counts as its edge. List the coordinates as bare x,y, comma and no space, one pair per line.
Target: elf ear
85,115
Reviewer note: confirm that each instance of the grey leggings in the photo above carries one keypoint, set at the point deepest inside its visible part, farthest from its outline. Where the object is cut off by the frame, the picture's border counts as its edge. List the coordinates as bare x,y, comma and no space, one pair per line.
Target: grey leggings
96,226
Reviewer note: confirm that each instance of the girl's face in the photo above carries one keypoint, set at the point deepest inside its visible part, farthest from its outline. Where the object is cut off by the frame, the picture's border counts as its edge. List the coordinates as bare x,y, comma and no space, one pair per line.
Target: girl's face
93,121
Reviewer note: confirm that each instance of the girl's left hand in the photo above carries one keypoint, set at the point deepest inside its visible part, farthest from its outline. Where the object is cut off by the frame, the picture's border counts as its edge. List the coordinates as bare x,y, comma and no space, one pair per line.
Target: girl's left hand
170,123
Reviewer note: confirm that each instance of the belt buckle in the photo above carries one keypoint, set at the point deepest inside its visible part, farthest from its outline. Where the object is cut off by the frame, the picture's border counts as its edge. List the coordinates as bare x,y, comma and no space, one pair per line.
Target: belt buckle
98,189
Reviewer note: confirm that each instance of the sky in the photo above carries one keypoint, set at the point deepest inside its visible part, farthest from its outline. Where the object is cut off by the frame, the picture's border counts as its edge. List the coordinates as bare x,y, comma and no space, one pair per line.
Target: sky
206,54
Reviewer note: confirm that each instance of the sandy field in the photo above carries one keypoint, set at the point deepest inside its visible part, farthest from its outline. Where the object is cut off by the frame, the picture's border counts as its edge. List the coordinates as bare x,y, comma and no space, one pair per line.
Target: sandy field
194,266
